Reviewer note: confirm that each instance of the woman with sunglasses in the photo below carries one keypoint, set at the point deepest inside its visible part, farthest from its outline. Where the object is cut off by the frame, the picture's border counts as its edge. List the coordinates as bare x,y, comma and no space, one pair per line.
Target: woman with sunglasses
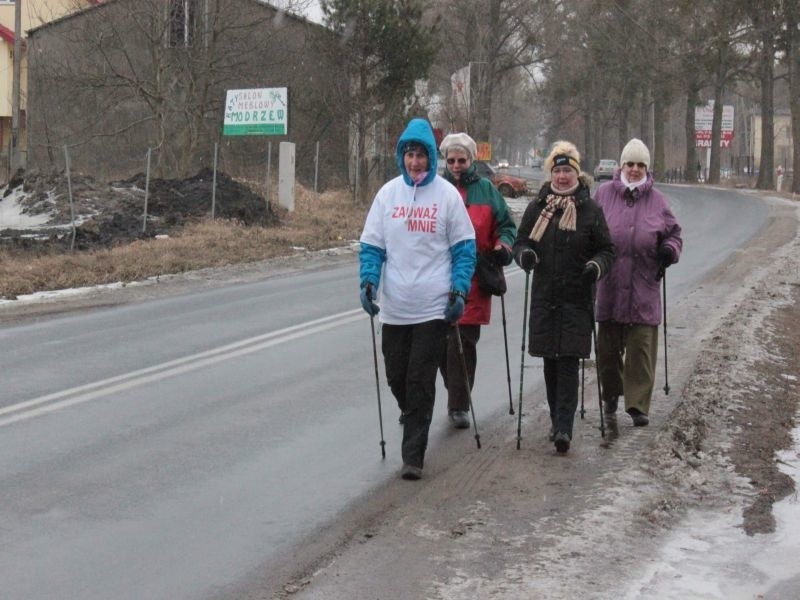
647,238
563,238
494,235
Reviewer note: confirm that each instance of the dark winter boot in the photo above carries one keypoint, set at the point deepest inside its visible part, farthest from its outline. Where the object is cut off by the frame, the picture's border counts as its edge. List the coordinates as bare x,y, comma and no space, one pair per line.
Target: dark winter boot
639,418
610,405
411,473
459,419
562,442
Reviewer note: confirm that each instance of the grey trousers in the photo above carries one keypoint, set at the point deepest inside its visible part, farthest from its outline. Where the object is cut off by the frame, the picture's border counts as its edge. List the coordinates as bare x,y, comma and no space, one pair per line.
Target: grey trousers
453,371
626,362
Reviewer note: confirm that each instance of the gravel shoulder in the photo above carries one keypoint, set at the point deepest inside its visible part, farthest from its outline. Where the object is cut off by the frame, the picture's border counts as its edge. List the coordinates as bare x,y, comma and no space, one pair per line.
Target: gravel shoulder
520,524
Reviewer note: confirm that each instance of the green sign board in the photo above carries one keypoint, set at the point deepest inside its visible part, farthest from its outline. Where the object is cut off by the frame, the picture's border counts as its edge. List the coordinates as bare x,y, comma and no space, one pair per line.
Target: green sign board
256,112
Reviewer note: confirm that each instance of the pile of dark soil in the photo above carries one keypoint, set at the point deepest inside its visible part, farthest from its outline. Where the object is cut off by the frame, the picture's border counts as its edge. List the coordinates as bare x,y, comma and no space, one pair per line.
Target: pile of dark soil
113,213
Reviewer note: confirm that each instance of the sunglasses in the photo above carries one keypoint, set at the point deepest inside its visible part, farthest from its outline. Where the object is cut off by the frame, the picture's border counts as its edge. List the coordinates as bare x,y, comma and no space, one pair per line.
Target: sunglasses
640,165
461,161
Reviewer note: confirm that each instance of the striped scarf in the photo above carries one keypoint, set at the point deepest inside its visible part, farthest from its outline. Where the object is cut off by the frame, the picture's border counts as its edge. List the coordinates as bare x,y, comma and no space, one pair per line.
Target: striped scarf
554,203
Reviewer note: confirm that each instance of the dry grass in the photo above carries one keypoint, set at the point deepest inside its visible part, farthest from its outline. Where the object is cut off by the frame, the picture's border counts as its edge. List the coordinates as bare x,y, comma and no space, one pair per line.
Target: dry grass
319,221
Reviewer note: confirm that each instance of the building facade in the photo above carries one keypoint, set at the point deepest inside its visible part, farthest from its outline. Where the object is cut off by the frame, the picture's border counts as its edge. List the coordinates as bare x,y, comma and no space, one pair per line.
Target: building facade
112,81
33,14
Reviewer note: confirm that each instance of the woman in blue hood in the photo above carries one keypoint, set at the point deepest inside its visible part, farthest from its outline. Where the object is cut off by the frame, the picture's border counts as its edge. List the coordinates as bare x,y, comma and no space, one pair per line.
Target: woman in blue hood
418,249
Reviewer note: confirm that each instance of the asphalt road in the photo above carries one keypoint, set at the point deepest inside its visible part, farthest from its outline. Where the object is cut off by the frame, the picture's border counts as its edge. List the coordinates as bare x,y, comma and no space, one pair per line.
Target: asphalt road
189,446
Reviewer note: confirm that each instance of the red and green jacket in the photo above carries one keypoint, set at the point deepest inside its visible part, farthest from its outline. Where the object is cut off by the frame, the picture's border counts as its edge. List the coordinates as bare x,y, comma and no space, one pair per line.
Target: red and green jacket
492,222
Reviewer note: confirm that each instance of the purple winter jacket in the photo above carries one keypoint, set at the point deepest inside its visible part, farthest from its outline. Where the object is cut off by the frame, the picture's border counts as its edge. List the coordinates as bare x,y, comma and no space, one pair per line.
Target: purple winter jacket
639,222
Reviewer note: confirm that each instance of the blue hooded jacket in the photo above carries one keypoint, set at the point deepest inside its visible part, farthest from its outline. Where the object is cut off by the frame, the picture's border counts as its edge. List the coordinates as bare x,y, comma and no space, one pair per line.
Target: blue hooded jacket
417,130
462,253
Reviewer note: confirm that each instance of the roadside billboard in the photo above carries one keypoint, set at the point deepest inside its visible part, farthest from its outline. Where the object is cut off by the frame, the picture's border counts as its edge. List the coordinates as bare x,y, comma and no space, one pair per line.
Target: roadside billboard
262,111
484,151
703,119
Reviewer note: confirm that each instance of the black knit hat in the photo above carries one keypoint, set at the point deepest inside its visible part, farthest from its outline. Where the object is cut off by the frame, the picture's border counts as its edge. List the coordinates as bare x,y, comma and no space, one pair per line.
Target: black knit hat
567,161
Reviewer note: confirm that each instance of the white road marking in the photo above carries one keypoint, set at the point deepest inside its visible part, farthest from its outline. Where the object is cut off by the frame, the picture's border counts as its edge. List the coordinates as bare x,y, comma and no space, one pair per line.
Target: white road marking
90,391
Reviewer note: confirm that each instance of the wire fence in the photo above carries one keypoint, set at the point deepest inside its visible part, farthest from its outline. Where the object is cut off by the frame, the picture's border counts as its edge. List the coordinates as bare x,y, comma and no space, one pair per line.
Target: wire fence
255,161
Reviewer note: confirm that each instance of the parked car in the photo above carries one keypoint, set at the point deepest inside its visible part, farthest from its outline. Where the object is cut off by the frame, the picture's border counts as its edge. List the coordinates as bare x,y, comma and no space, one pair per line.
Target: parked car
605,169
536,162
502,163
509,186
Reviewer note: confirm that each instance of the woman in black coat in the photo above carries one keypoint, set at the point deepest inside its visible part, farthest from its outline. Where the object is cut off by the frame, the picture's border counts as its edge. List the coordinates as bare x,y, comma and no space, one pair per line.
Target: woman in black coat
564,239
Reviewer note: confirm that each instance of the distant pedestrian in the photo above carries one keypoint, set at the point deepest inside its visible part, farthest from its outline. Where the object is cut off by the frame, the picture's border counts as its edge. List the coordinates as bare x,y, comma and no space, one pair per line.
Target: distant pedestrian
647,238
494,234
563,239
419,235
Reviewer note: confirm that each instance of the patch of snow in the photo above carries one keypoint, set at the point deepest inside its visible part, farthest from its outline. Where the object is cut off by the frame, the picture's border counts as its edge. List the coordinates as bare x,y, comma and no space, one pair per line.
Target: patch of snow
70,292
710,556
12,215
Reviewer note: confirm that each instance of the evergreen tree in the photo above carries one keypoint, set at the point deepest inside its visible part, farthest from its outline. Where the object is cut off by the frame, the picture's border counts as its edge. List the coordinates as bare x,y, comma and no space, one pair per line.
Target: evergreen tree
386,48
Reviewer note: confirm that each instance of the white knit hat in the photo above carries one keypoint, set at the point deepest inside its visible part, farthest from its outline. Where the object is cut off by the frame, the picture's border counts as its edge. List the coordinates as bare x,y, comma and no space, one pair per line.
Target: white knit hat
459,139
635,151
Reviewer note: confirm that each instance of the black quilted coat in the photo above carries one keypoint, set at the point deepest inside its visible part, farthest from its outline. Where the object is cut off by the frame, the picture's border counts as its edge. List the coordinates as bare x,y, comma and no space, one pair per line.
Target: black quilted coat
560,322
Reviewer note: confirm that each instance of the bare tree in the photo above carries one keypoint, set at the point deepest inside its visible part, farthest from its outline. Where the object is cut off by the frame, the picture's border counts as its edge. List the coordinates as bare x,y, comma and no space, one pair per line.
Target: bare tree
152,73
792,13
765,27
499,40
386,49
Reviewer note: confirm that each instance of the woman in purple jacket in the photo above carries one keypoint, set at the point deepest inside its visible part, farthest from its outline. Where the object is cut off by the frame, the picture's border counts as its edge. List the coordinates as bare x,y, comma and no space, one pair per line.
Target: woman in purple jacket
647,238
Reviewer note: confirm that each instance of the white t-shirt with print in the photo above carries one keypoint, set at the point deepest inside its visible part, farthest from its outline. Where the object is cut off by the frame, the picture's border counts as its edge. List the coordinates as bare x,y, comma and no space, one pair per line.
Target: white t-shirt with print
416,226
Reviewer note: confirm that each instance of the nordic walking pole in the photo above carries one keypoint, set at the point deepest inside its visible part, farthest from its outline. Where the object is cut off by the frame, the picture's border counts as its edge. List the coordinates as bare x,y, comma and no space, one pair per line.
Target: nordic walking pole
466,382
583,379
508,366
664,302
522,359
377,384
597,371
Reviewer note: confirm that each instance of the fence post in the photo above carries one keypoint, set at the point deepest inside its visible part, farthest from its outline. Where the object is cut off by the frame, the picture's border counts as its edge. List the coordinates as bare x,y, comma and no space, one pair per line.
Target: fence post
316,167
356,198
146,191
214,184
69,195
269,170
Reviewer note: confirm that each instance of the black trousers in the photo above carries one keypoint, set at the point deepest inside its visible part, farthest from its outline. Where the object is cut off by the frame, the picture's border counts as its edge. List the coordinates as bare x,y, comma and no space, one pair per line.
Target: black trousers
561,381
411,354
453,371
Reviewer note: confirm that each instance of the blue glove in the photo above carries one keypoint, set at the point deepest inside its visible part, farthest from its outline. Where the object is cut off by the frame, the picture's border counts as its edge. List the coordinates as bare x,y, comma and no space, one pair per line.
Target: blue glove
455,308
369,306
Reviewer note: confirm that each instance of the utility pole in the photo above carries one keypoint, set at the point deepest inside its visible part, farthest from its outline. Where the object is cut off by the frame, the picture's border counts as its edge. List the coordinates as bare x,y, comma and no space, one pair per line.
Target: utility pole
14,162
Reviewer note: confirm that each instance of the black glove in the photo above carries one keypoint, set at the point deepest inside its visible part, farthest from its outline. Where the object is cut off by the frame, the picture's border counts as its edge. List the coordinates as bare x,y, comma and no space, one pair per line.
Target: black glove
367,304
666,256
501,256
527,259
590,273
